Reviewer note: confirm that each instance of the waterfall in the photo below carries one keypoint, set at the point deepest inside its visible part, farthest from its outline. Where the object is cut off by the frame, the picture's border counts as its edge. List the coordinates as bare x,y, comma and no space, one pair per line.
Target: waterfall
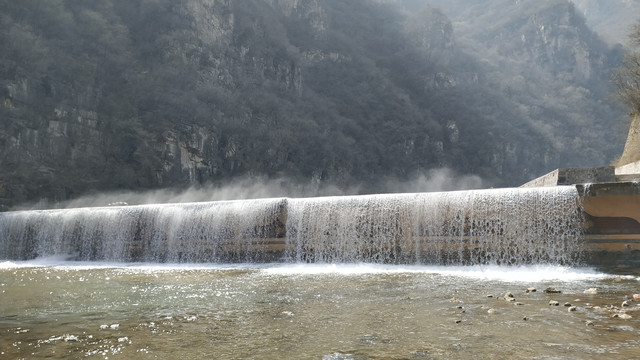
192,232
502,226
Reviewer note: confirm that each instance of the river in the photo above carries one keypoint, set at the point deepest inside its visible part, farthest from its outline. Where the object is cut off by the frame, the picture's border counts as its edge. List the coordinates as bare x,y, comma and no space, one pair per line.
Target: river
65,310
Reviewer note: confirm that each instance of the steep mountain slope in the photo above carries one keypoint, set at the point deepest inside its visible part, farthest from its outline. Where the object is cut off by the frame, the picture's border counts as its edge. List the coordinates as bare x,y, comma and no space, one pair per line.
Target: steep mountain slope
611,19
113,94
551,66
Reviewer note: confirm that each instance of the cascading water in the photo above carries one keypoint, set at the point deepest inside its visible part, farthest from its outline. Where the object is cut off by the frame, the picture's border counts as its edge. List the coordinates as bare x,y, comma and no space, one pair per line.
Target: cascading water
192,232
505,226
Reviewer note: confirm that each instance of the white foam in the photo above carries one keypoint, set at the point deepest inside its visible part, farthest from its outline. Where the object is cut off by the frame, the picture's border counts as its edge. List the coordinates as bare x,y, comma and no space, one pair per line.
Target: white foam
8,265
518,274
62,263
524,274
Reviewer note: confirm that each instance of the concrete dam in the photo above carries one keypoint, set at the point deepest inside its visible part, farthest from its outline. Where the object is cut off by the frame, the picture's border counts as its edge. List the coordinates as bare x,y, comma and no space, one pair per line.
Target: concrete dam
587,224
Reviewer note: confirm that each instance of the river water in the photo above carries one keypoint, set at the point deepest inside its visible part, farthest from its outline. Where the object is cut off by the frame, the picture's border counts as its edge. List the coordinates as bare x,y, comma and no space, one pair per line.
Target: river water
397,276
62,310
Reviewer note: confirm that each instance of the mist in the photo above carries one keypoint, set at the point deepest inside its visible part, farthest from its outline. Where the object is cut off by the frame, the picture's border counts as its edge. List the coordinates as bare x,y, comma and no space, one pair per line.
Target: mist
443,179
259,187
241,188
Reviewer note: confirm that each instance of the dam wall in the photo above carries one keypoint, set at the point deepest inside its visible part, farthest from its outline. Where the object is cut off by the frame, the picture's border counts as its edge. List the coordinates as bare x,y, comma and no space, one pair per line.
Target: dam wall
612,224
571,176
588,224
610,204
497,226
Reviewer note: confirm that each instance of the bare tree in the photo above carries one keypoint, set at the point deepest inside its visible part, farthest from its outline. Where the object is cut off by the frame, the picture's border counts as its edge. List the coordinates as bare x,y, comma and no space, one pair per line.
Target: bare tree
627,78
627,81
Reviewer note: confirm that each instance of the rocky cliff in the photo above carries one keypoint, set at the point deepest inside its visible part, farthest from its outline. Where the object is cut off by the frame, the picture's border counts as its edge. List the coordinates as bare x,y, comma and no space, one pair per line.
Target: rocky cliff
108,95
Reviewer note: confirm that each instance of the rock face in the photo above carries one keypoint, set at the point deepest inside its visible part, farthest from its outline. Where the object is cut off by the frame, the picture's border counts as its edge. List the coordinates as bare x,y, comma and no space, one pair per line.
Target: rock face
432,29
127,95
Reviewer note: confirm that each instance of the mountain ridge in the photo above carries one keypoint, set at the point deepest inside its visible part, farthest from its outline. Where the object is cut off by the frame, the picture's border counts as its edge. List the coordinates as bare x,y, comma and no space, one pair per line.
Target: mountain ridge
113,95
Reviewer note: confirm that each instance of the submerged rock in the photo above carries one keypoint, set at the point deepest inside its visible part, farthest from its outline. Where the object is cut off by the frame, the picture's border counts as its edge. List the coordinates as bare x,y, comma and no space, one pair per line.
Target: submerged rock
552,290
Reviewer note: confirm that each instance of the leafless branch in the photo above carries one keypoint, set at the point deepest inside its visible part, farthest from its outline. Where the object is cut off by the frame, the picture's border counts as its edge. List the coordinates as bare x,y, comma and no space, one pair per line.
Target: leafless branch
627,77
